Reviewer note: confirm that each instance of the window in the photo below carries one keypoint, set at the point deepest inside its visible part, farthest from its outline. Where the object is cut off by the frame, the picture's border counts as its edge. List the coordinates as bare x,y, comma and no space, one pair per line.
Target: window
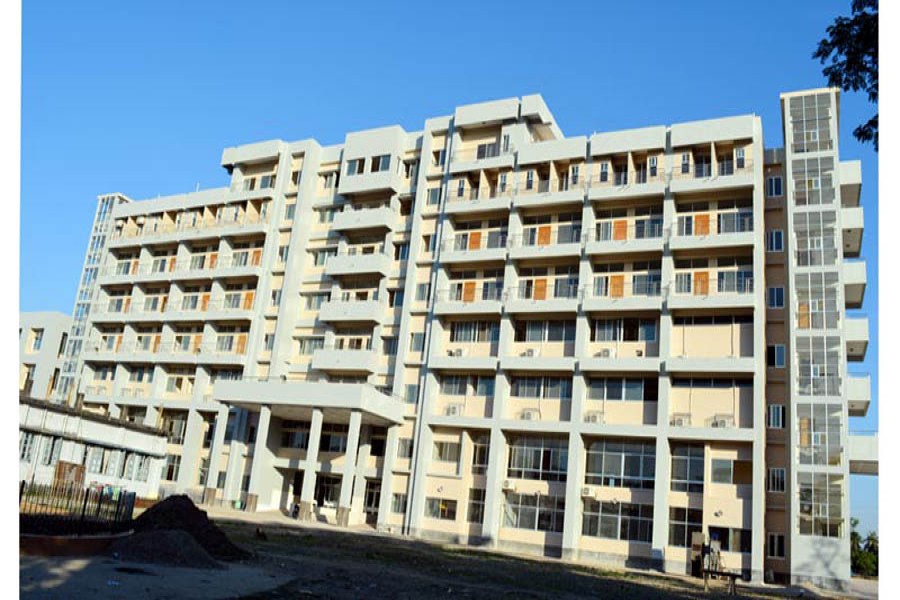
381,163
38,340
721,471
629,389
736,472
276,298
440,508
621,464
333,438
685,163
537,458
776,480
775,545
26,446
731,540
604,172
652,164
315,301
775,416
618,521
434,196
401,251
475,510
411,393
481,447
173,465
417,342
460,188
775,356
320,256
355,166
739,158
268,342
774,187
395,298
405,448
534,512
306,346
289,211
775,297
423,292
687,468
398,504
775,241
446,452
326,215
556,388
283,253
683,523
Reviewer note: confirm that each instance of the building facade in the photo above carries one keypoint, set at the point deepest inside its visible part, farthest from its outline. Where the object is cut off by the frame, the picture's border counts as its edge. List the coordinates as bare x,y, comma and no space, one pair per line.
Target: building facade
489,333
42,340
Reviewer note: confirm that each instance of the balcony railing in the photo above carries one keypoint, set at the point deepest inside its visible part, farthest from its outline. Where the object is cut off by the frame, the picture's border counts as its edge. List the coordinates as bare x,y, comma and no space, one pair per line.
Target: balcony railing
616,286
471,291
701,284
543,289
479,193
159,229
481,152
470,241
713,224
546,235
621,230
705,169
621,178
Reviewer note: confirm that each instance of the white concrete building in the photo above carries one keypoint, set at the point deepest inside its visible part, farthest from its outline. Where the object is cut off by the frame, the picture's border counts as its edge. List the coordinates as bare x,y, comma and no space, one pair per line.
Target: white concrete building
42,339
58,443
486,332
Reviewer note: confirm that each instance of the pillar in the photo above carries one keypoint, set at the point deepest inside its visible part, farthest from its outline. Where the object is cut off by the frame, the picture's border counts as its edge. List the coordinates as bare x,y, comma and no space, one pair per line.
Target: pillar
349,469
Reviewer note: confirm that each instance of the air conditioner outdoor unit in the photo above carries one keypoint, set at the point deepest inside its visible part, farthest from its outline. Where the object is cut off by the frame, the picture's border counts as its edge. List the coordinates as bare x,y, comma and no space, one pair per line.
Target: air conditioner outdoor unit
531,353
458,352
639,353
509,484
603,353
593,417
454,410
530,415
679,422
587,492
720,423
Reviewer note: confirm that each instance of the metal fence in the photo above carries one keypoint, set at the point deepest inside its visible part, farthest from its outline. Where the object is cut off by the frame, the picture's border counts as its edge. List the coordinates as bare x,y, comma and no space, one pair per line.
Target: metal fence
70,509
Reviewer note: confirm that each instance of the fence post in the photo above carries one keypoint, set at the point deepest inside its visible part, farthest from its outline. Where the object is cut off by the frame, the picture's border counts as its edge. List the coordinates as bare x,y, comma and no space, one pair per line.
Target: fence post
83,511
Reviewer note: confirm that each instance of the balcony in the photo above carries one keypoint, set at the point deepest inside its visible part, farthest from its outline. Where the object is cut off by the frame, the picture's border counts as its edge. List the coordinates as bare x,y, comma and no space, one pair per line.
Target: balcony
623,184
859,393
863,451
471,357
704,176
358,263
712,230
613,292
550,192
851,181
852,226
546,241
854,275
557,357
344,308
345,361
700,290
475,246
623,237
621,356
188,230
364,219
478,200
484,156
856,334
470,298
544,295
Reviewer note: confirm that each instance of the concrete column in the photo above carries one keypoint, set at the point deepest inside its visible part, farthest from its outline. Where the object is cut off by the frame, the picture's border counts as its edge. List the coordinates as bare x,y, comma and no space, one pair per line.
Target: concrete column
349,470
493,496
190,453
236,453
215,455
307,494
660,538
387,475
574,507
357,501
262,461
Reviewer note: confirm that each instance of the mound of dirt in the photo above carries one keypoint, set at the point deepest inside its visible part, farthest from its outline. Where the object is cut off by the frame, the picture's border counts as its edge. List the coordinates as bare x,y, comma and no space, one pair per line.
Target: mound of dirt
163,547
180,513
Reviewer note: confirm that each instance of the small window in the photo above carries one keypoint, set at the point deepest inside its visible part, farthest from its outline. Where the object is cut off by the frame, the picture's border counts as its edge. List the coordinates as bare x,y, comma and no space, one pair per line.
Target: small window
775,416
417,342
604,172
739,158
775,545
775,356
283,254
722,471
774,187
775,241
686,163
776,480
775,297
401,251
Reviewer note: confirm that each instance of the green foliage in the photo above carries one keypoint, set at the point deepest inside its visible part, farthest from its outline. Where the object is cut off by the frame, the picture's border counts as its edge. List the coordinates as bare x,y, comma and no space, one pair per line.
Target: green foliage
851,49
863,553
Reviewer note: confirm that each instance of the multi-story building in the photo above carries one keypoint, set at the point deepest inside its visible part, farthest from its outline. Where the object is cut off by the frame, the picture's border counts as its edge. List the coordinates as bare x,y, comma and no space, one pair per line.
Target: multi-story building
486,332
42,338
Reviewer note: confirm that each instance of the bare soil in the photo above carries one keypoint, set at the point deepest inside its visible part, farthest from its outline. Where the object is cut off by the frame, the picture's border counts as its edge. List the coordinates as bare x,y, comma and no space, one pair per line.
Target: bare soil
329,563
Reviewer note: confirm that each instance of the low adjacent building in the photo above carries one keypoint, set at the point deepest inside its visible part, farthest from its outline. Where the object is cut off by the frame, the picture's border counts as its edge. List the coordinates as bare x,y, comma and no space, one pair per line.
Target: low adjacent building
42,340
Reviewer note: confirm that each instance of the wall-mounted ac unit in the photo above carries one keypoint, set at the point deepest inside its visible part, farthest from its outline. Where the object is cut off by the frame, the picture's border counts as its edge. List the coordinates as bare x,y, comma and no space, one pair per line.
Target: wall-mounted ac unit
680,421
639,353
593,417
530,415
605,353
719,423
509,484
587,492
457,353
454,410
532,353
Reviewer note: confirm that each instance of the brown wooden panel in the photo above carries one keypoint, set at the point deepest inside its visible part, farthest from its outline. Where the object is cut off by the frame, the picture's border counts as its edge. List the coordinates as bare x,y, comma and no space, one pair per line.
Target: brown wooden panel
469,291
620,230
543,236
248,300
204,302
701,283
616,286
803,316
213,259
475,240
257,256
701,224
241,343
540,289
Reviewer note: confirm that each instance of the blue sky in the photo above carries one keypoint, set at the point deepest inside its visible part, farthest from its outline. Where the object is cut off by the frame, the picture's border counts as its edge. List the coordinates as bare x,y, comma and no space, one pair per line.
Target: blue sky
142,99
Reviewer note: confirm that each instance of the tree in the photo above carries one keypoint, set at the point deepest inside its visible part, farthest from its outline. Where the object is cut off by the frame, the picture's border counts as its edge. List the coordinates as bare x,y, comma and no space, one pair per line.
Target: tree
852,50
863,555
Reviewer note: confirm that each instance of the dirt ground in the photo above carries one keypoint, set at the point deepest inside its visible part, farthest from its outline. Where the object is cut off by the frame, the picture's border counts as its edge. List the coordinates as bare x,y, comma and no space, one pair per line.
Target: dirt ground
334,564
